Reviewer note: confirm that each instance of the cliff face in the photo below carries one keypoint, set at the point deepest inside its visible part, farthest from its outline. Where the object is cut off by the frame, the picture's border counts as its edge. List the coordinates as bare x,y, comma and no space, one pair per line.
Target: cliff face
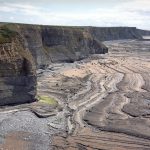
17,70
70,44
115,33
67,44
33,38
144,32
59,44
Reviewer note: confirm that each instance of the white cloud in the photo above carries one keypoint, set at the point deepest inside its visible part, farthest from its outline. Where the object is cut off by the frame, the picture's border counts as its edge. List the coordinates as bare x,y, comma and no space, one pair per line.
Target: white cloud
127,13
136,5
10,7
6,9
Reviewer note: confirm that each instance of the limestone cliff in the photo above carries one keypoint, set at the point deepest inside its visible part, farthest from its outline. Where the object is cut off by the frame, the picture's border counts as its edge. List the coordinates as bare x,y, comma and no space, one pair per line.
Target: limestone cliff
144,32
17,69
67,44
58,44
115,33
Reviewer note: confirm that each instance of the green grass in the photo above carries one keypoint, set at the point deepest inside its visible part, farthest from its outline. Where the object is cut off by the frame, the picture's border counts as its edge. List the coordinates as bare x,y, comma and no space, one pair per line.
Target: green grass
47,100
6,35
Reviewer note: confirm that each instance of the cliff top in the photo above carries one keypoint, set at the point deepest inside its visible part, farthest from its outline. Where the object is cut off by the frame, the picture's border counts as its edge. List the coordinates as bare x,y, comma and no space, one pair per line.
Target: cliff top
62,26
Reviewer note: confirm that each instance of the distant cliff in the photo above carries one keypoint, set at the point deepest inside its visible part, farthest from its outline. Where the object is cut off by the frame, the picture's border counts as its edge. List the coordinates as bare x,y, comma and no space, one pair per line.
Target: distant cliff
115,33
144,32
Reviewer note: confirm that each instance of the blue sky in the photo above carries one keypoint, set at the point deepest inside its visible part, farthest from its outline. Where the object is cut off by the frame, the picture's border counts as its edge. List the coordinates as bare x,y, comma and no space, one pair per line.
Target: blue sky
77,12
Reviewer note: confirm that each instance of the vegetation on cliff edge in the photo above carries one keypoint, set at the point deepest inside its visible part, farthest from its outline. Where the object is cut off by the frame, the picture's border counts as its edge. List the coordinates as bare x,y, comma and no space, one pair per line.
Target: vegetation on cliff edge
6,35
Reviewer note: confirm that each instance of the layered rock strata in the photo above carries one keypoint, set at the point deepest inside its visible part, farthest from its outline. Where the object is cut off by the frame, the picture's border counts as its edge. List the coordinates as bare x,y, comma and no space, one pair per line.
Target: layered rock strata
17,70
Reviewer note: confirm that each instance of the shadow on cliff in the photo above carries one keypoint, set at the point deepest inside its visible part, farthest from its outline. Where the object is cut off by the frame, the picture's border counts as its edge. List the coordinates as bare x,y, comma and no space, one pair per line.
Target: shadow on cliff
21,88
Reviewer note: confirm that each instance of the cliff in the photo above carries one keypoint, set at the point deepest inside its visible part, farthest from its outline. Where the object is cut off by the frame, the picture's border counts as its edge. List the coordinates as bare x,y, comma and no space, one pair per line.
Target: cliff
17,69
144,32
58,44
67,44
115,33
70,44
24,47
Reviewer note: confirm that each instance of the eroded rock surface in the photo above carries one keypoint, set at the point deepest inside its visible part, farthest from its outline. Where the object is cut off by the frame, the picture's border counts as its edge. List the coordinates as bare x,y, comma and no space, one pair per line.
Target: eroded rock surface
112,110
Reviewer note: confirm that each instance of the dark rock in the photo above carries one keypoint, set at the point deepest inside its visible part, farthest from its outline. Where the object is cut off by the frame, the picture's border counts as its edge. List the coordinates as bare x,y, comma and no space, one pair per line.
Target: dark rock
144,32
17,73
115,33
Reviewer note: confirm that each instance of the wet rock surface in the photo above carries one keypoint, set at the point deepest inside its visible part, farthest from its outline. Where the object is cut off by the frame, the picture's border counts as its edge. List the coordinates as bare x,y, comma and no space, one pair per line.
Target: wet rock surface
112,111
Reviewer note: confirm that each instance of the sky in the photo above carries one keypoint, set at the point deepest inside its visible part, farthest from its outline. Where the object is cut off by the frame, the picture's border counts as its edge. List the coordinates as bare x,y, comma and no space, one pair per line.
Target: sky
101,13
